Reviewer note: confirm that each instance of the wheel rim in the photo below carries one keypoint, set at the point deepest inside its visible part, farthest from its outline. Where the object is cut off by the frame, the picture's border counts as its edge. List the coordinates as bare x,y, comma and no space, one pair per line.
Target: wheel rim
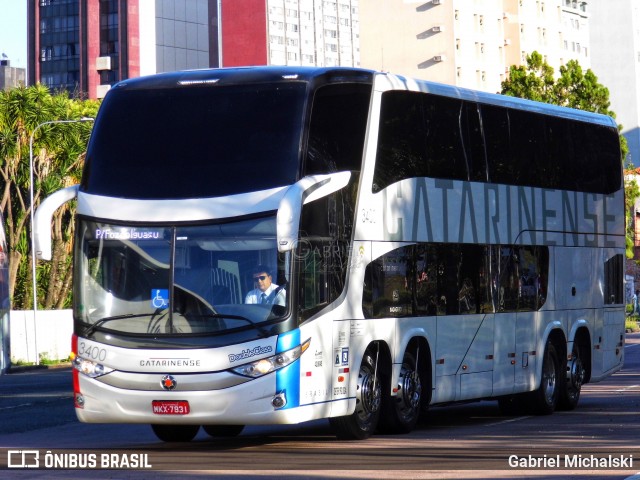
408,402
368,396
549,379
575,373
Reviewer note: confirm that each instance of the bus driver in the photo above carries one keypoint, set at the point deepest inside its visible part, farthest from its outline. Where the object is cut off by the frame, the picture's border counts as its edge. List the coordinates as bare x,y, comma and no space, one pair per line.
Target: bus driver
265,292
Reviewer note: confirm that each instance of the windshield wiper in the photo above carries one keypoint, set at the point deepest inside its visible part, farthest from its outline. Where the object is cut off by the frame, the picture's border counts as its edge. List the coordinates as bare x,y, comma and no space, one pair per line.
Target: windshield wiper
95,326
90,330
260,329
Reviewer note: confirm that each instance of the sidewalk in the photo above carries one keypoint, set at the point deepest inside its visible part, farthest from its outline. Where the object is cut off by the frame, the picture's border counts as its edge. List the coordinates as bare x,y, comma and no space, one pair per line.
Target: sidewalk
29,368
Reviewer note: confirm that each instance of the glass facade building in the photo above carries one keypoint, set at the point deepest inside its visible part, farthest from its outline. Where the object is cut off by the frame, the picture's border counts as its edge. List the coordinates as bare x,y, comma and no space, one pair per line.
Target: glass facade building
59,39
83,46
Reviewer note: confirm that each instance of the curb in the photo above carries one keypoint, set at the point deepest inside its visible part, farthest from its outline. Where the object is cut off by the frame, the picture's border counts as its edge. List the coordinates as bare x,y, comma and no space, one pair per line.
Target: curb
32,368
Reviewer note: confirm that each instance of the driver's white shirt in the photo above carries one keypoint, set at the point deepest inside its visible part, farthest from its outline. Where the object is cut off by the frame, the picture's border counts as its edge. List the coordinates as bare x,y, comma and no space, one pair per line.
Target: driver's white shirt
255,296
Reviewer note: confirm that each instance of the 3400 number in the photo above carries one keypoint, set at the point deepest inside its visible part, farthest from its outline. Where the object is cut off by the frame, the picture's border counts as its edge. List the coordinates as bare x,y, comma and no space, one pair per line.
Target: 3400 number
92,352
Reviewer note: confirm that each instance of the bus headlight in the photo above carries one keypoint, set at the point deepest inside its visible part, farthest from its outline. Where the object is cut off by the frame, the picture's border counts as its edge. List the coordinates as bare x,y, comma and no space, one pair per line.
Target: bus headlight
90,368
271,364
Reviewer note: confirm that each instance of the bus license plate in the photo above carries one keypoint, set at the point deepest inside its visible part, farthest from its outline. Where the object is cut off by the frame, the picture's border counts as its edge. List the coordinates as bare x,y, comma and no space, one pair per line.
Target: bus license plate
170,407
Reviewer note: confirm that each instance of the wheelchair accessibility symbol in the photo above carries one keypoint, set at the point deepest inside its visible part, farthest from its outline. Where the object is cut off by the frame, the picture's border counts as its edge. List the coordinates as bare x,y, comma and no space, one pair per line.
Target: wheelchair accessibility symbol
159,298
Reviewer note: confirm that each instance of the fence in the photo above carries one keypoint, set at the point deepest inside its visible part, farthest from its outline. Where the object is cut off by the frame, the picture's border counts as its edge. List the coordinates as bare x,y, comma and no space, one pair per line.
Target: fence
48,336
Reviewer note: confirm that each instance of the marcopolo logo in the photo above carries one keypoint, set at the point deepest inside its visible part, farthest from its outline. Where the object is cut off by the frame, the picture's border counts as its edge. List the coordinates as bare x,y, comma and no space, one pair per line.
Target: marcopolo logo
248,353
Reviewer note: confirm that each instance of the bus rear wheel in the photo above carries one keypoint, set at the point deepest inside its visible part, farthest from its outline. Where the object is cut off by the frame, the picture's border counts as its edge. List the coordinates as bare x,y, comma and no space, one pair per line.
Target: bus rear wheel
571,383
363,421
175,433
400,413
543,401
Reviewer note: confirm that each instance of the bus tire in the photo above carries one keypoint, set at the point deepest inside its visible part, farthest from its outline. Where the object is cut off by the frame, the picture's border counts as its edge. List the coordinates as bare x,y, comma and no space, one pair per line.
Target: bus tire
175,433
400,413
364,420
543,401
223,430
571,382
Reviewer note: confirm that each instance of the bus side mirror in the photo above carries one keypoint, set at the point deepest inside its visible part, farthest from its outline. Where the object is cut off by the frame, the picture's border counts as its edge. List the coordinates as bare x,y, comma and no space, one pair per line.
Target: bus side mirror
305,190
42,220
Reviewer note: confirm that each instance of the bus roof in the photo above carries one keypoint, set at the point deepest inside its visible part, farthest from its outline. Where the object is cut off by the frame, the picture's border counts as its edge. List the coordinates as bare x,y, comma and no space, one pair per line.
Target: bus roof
381,80
246,75
398,82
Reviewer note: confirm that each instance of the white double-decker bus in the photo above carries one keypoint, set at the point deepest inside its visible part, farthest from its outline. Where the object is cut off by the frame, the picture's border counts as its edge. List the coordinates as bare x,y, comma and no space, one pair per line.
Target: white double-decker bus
418,244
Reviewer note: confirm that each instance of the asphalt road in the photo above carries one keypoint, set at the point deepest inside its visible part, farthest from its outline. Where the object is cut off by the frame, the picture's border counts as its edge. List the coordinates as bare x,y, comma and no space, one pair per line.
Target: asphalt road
464,441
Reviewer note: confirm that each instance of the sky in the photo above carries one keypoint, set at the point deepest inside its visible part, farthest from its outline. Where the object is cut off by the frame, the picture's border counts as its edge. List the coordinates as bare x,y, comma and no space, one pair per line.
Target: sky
13,31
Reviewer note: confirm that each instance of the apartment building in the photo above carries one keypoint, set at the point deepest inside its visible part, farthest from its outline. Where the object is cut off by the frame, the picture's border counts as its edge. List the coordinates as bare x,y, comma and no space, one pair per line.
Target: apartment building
82,46
85,46
615,39
10,77
471,43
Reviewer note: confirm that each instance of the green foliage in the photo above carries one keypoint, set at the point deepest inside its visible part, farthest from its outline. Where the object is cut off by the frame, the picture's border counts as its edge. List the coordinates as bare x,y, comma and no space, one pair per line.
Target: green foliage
58,155
632,192
534,81
573,88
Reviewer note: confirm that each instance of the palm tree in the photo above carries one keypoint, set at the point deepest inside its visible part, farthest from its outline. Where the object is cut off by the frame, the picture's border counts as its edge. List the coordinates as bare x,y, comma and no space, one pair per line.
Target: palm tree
58,157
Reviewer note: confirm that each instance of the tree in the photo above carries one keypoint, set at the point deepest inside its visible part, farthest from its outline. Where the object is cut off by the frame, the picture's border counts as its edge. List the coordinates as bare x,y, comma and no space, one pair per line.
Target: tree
58,152
534,81
574,88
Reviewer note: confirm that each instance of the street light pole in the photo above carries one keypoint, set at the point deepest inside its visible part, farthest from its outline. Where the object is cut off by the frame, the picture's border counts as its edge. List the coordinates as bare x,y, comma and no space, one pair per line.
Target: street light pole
33,241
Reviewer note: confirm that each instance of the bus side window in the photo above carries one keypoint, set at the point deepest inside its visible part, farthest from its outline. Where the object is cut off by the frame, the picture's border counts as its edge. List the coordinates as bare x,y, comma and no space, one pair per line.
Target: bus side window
313,280
389,285
448,266
372,281
420,136
614,284
336,140
426,273
533,270
523,274
508,282
459,271
471,288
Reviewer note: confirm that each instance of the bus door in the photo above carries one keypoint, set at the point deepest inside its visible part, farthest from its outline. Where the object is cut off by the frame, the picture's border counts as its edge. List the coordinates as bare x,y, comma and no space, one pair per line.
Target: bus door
465,323
526,354
504,353
521,273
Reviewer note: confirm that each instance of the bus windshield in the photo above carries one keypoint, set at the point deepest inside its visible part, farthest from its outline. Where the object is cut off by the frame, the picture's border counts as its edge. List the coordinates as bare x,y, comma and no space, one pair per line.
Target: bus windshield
204,279
218,140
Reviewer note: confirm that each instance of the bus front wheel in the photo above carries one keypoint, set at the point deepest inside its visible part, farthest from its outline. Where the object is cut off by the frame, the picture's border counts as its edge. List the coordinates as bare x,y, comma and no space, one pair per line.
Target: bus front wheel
363,421
175,433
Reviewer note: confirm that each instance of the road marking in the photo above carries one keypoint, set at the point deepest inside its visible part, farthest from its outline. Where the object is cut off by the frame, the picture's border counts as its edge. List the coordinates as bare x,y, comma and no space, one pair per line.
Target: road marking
509,420
627,388
30,404
17,406
606,389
